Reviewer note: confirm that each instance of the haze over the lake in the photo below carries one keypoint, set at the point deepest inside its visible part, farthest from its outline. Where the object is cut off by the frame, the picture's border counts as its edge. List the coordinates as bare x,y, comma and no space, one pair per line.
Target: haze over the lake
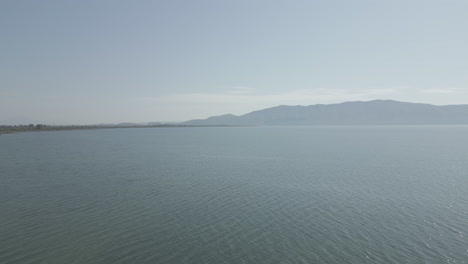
85,62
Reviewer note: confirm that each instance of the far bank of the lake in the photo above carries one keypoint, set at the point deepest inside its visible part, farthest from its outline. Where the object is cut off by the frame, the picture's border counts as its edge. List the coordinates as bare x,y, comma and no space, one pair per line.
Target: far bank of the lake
16,129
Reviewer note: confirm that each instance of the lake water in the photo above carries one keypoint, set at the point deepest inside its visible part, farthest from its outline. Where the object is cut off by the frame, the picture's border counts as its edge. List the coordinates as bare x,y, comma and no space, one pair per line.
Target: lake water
235,195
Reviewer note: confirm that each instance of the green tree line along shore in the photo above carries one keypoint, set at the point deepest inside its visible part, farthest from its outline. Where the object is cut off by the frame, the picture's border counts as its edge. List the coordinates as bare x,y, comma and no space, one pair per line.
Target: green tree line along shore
7,129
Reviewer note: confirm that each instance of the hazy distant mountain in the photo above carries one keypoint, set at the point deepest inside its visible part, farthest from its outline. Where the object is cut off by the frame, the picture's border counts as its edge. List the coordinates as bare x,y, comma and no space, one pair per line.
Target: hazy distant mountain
138,124
377,112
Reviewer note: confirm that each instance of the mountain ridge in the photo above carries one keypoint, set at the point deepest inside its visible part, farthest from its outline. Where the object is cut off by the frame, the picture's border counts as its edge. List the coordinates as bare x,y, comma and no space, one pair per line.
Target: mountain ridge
375,112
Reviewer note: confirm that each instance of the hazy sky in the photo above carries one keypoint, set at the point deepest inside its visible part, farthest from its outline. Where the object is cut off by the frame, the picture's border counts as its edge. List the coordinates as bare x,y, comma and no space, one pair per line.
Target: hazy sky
88,61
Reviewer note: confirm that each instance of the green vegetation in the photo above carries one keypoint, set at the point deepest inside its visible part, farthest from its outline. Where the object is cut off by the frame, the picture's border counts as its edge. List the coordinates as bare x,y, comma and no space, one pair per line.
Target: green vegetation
21,128
6,129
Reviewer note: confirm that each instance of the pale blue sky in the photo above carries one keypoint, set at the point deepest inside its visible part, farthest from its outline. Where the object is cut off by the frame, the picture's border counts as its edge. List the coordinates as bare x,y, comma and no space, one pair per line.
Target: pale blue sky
88,61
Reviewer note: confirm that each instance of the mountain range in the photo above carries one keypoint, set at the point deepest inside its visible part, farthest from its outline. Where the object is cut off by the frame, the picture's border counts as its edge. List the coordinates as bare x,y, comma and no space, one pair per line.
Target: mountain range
376,112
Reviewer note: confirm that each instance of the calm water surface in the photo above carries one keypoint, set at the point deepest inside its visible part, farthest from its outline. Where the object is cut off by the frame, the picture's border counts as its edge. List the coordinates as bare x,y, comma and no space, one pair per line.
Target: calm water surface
235,195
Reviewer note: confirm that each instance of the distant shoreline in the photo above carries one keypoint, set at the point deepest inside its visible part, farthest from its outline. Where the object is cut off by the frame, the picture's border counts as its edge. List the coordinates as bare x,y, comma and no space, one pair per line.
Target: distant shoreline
71,128
18,129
